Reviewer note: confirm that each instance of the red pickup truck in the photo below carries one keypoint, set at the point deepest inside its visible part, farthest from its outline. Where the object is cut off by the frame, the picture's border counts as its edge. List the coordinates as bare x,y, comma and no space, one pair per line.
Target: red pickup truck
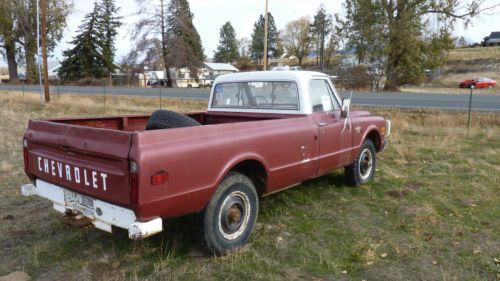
263,132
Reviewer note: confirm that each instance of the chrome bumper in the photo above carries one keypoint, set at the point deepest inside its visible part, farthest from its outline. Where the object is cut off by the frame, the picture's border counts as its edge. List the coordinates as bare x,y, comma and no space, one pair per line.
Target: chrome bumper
102,214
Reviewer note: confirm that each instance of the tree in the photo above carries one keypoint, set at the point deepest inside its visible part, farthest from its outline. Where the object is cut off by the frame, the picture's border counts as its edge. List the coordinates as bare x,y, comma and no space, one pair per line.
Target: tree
18,27
25,18
244,47
185,42
227,50
151,36
297,38
398,31
170,28
86,59
257,45
109,22
8,38
320,29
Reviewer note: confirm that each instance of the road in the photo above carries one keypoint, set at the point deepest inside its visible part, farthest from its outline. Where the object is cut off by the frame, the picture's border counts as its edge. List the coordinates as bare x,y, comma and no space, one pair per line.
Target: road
480,102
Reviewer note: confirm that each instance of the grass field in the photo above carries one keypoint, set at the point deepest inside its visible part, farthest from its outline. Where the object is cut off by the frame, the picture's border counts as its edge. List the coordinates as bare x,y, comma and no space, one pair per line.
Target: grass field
432,213
465,63
474,53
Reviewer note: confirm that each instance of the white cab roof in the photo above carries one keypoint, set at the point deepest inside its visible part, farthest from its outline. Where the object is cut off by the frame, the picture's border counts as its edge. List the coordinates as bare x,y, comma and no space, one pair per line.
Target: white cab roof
298,76
301,78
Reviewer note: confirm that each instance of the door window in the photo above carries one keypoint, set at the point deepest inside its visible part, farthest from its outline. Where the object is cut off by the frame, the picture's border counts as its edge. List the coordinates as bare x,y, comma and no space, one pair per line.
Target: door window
320,95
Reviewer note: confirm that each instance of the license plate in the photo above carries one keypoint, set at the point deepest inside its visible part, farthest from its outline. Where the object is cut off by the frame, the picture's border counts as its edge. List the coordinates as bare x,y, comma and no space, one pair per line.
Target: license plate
86,201
75,199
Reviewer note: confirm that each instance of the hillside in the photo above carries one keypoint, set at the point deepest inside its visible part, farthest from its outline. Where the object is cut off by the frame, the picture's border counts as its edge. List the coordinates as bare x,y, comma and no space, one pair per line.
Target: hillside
466,63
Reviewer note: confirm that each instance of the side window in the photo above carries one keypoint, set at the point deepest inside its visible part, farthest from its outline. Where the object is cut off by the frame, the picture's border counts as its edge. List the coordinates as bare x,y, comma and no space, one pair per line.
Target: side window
320,97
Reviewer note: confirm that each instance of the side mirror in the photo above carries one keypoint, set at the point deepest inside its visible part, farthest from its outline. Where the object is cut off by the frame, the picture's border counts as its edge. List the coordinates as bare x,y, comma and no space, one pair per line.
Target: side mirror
346,104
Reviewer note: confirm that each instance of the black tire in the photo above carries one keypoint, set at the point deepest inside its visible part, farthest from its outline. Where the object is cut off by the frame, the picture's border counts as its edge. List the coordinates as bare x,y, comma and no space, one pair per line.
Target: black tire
166,119
363,168
230,216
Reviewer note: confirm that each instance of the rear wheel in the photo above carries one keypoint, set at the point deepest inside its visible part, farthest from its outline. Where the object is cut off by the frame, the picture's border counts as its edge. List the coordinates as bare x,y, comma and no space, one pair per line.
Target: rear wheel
230,216
363,168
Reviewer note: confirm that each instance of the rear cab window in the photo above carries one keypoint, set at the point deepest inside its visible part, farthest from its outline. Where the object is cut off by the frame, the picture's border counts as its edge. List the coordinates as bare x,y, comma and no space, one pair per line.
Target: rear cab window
274,95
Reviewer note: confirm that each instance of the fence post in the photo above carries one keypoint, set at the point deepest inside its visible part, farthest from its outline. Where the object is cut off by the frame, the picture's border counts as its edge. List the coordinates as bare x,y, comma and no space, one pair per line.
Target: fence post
470,106
159,90
104,92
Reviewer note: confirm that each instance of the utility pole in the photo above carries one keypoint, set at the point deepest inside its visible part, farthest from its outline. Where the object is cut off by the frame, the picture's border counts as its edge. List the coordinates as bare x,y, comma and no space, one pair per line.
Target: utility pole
38,49
266,24
43,6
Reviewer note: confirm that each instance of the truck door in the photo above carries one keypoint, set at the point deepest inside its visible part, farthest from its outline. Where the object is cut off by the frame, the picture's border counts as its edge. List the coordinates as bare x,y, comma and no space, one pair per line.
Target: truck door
335,135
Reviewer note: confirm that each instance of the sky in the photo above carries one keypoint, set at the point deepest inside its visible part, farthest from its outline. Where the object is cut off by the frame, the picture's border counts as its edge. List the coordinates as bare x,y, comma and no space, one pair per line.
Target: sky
210,15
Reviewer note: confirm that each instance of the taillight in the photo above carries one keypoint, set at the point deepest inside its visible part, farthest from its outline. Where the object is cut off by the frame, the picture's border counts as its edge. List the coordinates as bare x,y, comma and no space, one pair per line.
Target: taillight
159,177
134,182
25,154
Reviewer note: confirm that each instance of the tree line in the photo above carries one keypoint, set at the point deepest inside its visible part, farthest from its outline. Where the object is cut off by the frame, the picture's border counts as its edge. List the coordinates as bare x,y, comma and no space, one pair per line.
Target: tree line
395,33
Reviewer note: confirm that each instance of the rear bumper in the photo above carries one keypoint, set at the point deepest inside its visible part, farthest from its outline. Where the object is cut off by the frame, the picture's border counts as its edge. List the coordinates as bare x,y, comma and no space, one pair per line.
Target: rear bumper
102,214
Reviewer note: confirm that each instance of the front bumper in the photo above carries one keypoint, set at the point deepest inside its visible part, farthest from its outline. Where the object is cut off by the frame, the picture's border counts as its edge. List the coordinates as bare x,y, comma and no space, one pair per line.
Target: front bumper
102,214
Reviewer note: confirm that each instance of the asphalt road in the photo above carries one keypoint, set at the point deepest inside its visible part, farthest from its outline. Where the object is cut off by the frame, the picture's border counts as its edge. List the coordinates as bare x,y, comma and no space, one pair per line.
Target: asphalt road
480,101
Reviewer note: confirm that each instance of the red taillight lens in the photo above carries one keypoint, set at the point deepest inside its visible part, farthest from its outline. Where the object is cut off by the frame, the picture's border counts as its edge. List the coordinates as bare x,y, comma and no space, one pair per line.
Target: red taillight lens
134,183
25,154
134,188
159,177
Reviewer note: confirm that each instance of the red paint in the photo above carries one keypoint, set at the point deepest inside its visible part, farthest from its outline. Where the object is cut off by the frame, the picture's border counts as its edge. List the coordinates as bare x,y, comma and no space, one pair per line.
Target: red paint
289,148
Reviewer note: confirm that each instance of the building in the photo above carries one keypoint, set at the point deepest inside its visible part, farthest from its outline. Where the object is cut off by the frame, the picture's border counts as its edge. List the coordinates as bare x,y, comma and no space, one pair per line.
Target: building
210,70
492,40
182,77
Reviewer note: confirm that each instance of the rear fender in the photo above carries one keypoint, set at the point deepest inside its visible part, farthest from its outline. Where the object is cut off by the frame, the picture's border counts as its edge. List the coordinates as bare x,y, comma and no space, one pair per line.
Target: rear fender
231,165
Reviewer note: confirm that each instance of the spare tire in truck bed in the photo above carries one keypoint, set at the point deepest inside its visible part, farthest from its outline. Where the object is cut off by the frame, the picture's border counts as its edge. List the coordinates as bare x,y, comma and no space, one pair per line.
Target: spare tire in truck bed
166,119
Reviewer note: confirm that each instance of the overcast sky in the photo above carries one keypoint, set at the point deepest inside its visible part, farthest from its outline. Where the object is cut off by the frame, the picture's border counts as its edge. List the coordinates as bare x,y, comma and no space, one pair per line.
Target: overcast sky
210,15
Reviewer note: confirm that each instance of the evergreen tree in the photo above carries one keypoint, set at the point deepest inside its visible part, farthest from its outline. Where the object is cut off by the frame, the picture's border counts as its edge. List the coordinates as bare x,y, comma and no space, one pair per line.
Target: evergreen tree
184,42
85,59
227,50
257,47
320,30
109,23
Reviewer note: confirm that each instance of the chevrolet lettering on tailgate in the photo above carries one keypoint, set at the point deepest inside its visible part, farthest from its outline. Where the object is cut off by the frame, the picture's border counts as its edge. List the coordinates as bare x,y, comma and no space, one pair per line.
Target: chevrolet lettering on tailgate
72,173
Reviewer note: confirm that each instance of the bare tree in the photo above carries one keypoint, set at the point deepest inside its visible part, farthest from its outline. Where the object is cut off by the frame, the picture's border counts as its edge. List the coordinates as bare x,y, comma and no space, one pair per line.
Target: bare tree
151,31
297,38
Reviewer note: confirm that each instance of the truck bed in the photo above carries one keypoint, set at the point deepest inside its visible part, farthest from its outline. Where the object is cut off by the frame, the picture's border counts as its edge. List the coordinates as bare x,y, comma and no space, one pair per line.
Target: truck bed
92,156
134,123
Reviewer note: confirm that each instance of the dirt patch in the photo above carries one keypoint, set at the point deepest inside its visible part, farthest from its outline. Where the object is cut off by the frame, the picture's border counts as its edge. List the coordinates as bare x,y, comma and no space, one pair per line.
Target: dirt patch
397,193
406,190
16,276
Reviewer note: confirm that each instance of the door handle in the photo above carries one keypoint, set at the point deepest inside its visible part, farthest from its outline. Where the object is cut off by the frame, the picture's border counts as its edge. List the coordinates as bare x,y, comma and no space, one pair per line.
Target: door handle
322,124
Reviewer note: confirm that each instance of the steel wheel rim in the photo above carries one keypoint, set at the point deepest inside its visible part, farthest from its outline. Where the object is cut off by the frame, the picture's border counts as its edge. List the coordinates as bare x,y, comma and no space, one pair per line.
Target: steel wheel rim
234,215
365,164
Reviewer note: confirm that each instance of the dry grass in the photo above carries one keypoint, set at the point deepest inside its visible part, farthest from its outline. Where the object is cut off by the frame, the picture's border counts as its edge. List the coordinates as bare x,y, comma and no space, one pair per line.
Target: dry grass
474,53
432,212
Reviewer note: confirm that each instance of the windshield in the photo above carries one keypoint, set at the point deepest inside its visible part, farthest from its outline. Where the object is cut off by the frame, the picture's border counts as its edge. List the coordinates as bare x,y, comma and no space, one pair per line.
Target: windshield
263,94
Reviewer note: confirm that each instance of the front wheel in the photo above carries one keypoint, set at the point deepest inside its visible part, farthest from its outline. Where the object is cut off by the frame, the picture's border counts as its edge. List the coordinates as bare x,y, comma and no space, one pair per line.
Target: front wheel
230,216
363,168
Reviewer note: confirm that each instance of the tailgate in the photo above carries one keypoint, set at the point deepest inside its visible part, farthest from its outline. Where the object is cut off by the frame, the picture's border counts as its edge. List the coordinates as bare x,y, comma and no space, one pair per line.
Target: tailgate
88,160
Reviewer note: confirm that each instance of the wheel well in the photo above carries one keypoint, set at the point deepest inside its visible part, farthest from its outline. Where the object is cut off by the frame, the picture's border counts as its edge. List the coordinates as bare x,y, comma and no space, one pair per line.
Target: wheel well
375,138
256,172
